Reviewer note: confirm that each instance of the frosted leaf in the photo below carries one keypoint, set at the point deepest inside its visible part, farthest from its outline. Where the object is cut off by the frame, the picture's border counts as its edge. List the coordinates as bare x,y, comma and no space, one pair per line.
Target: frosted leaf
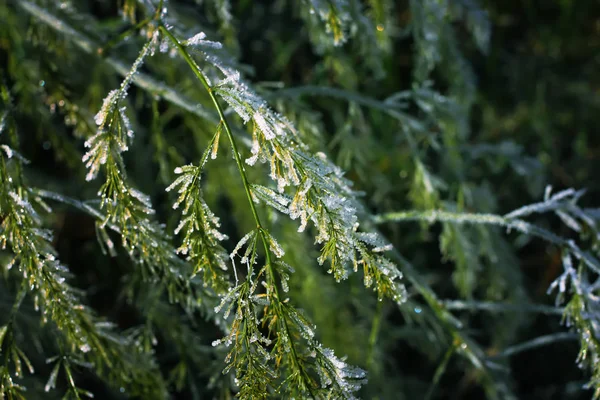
7,150
51,384
264,127
164,45
185,180
215,141
252,160
564,194
229,298
261,300
274,245
285,267
372,239
550,203
3,121
335,17
231,74
198,40
109,103
382,249
142,198
271,198
235,99
547,192
285,285
347,377
10,153
182,224
569,221
307,330
126,122
241,243
25,205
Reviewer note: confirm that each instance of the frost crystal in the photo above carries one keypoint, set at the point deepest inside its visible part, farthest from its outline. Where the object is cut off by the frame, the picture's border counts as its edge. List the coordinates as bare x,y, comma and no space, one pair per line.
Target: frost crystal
198,40
241,243
108,105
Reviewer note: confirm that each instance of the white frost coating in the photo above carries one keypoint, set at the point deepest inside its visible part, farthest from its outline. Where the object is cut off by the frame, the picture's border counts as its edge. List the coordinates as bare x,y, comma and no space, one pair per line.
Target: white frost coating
198,40
114,96
271,198
96,156
252,160
7,150
264,127
234,98
241,243
184,180
107,105
381,249
275,246
105,140
164,45
550,203
126,122
147,49
346,377
142,198
3,121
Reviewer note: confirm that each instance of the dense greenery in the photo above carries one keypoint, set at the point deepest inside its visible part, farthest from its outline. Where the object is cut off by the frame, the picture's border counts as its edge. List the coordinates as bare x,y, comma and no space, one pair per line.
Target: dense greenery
329,199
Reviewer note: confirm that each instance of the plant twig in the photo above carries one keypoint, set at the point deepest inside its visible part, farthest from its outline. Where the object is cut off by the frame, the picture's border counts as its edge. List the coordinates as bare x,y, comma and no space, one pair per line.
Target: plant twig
261,230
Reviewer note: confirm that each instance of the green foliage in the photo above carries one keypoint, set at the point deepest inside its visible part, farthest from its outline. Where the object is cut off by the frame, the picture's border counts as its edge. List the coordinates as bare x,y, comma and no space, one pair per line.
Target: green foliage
235,172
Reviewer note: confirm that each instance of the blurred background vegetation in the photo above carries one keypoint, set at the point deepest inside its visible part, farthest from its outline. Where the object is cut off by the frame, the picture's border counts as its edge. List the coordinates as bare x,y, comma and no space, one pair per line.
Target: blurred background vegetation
476,109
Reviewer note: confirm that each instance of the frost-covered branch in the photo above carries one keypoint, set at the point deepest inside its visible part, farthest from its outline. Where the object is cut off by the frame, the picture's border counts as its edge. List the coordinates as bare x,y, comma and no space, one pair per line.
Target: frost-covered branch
86,337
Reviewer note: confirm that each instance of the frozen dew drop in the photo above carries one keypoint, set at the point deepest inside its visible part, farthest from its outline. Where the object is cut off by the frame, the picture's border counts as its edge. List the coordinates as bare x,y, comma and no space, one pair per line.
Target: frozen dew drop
85,348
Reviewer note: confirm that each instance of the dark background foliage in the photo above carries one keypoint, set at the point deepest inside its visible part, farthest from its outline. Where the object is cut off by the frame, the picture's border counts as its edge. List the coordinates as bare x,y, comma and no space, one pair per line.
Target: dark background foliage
527,116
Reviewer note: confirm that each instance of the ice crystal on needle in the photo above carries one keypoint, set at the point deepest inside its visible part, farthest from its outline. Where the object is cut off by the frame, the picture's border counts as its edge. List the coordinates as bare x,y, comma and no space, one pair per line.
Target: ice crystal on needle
201,241
198,40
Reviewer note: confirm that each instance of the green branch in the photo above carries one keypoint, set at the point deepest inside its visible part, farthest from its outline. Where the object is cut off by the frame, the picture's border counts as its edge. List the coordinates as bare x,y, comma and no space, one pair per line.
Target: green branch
490,219
537,342
141,80
242,171
501,307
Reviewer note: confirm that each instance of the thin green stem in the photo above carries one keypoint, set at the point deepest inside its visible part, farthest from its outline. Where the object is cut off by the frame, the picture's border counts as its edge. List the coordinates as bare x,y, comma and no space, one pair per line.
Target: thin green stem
374,333
440,371
537,342
20,296
469,349
238,160
119,38
501,307
518,225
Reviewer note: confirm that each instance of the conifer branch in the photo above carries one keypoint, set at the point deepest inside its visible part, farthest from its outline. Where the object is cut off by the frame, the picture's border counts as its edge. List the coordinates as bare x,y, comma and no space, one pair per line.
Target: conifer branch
280,310
490,219
142,80
114,357
581,288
